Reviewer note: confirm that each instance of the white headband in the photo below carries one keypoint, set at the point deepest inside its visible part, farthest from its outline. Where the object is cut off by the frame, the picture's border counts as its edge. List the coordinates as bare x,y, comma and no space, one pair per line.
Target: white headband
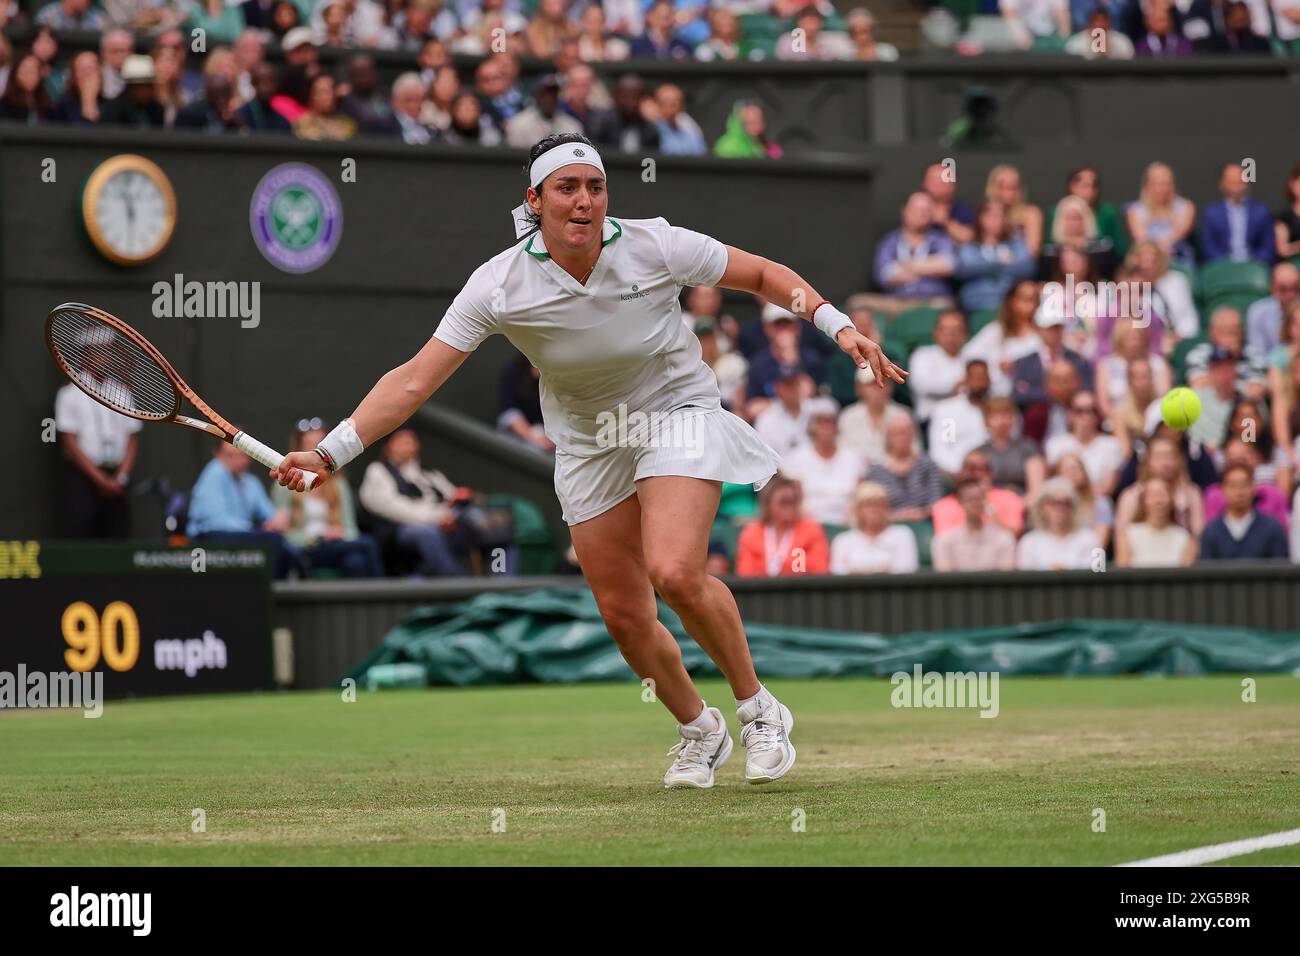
547,163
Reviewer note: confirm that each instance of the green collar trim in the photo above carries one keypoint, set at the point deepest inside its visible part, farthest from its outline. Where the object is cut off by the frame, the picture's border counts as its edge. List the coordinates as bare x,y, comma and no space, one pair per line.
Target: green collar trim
617,227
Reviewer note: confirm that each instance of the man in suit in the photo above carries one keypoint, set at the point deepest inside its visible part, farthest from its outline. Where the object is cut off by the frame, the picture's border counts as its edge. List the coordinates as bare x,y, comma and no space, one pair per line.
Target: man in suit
1237,228
1029,373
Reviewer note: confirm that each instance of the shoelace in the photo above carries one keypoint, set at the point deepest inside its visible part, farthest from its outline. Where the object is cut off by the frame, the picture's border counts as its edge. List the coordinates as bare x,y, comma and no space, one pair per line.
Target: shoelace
689,752
762,736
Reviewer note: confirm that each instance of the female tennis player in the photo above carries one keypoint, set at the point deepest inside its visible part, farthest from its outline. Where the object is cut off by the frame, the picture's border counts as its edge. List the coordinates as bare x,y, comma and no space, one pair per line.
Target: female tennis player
593,302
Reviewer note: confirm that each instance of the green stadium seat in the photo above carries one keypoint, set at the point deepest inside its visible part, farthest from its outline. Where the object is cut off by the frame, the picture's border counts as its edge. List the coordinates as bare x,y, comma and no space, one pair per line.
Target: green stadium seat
1179,359
533,537
924,532
1217,278
760,33
832,530
915,327
980,318
738,501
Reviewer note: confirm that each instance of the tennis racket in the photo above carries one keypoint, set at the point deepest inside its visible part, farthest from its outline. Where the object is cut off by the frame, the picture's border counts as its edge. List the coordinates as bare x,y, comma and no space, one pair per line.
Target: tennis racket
118,367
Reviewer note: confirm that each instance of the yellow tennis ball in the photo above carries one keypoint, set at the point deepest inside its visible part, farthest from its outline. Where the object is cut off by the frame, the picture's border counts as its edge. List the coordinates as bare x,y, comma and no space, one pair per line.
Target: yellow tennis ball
1180,408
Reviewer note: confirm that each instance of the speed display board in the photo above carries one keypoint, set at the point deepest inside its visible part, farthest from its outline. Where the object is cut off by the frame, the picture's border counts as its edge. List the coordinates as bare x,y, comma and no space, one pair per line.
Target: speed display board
153,620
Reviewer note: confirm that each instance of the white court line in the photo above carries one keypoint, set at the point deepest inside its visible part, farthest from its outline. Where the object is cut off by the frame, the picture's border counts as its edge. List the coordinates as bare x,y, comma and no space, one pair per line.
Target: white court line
1221,851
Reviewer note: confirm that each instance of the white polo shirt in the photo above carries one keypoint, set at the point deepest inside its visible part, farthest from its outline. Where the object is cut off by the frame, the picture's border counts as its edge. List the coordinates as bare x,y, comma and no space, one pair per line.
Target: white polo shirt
101,432
618,340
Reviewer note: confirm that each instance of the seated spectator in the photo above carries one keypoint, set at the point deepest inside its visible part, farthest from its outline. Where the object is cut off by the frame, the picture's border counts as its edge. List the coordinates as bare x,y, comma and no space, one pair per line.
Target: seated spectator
841,370
258,114
624,127
1095,511
1059,540
1164,461
950,214
138,106
660,40
114,48
783,541
579,98
863,424
979,543
746,135
1242,532
1237,35
1085,182
1218,398
1050,418
873,545
808,41
913,481
1236,228
25,99
1003,506
499,95
404,119
1264,317
168,82
549,29
936,371
1153,540
1226,335
323,121
71,15
724,42
1147,262
679,134
1100,452
1269,498
83,101
1012,336
229,506
991,264
1162,216
322,522
1033,23
595,43
1030,375
785,348
729,366
412,507
470,126
1097,41
957,423
359,23
1025,219
913,263
1283,365
862,34
783,423
364,101
1286,225
1072,289
290,100
542,118
521,404
219,21
435,110
216,112
1130,343
1131,415
1015,462
1248,422
412,27
1074,224
1162,37
299,48
827,472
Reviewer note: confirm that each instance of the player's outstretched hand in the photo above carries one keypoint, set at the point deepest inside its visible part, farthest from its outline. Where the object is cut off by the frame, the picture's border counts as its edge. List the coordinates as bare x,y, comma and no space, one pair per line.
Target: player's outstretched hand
291,469
867,354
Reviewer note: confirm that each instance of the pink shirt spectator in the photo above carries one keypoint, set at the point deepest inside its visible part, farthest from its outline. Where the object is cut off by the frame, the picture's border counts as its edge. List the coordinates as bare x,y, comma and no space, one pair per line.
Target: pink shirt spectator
1269,500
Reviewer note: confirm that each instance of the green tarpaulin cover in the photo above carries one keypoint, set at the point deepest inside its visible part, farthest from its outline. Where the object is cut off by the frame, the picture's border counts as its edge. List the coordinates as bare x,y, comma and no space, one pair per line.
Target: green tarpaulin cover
556,635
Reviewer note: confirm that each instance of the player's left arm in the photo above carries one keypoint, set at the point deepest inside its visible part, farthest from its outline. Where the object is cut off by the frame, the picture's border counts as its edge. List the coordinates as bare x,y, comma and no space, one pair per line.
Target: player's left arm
747,272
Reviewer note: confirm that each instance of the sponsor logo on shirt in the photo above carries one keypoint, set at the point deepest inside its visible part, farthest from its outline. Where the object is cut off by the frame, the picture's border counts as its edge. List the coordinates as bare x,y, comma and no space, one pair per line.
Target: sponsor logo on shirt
636,293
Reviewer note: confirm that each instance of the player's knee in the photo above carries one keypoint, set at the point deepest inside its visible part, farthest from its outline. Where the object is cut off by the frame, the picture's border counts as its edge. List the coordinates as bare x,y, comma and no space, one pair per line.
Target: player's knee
679,583
629,624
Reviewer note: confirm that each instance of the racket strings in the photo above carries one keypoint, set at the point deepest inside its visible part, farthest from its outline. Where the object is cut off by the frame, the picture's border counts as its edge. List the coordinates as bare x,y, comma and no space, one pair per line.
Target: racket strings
112,366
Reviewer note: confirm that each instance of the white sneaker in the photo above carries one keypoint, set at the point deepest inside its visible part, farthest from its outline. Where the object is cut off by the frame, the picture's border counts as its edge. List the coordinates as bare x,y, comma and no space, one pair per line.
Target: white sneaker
699,755
765,731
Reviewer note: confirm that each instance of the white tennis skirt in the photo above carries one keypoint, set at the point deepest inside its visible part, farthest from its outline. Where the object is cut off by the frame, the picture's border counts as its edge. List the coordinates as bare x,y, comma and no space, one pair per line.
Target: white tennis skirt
693,442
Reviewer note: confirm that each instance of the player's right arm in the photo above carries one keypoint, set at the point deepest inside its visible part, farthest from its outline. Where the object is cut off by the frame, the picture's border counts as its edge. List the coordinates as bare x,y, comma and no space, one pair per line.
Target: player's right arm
393,400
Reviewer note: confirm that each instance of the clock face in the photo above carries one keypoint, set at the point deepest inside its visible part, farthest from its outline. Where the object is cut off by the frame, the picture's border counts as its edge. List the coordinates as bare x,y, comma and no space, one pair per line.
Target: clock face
130,209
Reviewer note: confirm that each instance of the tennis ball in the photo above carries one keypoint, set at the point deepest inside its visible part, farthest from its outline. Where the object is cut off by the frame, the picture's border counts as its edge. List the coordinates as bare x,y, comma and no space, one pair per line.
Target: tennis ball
1180,408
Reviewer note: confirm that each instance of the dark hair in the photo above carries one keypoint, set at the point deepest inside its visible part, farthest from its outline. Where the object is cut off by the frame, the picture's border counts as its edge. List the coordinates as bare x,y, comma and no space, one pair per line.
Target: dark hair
964,483
1236,466
39,99
540,148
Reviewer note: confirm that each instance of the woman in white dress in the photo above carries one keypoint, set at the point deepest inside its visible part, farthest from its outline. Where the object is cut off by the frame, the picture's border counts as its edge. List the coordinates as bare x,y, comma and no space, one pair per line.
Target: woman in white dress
643,444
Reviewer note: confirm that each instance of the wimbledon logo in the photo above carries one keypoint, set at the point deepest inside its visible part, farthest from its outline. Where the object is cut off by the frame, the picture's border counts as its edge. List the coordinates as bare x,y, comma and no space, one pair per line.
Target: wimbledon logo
296,218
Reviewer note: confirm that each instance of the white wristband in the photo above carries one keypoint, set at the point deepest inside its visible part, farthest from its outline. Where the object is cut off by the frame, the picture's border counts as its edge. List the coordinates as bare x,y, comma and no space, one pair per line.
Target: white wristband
342,444
831,320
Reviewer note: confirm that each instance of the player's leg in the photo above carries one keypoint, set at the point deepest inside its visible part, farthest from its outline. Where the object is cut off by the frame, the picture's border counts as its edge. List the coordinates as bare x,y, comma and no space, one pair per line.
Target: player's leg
676,517
609,550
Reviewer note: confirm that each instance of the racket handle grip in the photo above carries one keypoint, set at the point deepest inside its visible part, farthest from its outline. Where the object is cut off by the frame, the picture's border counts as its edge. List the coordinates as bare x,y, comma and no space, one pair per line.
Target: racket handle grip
265,455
